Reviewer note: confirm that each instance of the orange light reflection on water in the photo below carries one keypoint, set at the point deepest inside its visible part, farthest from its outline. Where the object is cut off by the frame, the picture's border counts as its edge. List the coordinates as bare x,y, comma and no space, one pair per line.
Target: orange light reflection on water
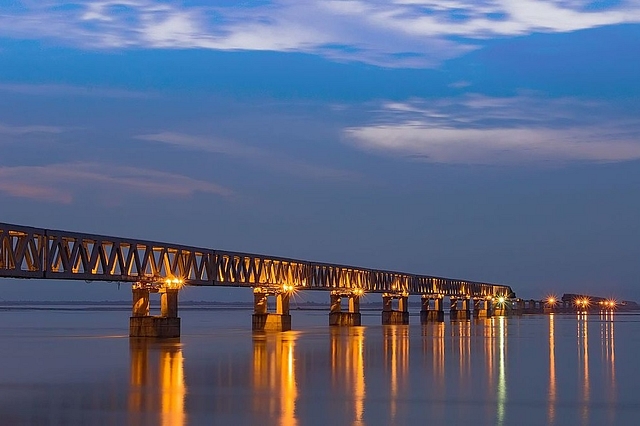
552,371
583,362
274,374
347,367
396,355
502,373
145,357
607,340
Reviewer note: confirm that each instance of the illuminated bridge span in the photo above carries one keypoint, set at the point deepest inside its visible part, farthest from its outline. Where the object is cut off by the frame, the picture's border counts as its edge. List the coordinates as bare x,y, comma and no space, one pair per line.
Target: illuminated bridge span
37,253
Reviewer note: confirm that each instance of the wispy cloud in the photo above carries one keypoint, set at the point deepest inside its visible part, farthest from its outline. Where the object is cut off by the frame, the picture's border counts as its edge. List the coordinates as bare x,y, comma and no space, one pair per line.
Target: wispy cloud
257,156
25,130
71,90
62,182
399,33
484,130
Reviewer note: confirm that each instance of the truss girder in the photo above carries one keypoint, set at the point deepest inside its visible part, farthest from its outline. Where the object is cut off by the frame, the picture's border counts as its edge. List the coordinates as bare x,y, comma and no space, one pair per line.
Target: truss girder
27,252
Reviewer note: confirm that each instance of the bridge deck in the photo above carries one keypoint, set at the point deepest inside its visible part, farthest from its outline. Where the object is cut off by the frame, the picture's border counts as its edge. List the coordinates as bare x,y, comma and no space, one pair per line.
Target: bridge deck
27,252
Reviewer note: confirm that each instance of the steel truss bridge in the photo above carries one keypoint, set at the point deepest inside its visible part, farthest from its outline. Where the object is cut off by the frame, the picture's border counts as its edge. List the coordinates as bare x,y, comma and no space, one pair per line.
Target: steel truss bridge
37,253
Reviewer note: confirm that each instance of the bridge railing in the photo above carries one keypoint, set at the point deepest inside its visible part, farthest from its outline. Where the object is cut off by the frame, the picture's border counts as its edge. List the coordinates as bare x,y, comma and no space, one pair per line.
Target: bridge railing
27,252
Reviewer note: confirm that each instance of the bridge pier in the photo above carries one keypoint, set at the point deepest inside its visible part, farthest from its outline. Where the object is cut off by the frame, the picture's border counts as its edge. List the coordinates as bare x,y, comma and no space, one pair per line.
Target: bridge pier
550,307
391,316
482,308
262,319
431,315
459,309
141,324
340,318
501,307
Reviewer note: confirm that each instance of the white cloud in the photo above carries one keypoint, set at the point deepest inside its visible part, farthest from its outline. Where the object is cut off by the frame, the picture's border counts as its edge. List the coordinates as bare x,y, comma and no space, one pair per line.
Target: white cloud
257,156
483,130
400,33
62,182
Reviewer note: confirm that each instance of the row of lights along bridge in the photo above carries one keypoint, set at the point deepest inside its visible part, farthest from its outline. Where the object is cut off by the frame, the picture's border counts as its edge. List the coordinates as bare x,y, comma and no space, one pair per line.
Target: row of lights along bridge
395,307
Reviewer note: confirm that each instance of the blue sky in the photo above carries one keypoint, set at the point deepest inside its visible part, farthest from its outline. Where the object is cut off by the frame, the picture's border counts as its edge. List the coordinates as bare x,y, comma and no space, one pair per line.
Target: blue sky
488,140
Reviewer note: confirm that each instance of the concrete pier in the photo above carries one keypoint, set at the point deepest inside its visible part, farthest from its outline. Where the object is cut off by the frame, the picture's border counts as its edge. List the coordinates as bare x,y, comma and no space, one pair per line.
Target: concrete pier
429,314
392,316
141,324
350,318
482,308
262,320
459,310
519,307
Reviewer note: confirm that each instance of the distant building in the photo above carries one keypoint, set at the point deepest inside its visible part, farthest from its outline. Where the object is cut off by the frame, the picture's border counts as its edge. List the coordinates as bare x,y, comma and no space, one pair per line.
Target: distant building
625,305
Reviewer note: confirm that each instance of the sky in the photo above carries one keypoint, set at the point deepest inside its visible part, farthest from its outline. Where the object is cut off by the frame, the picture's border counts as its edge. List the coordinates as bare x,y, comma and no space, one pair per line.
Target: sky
488,140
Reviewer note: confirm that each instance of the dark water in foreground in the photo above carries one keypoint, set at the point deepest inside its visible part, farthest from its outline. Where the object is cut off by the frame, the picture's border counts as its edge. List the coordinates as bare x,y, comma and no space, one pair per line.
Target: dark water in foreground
79,367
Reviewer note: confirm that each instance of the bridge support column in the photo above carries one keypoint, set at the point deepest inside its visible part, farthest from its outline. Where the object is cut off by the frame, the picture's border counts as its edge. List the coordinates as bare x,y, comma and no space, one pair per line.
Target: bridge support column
427,314
262,320
482,308
550,308
391,316
340,318
169,303
141,324
459,309
140,302
519,307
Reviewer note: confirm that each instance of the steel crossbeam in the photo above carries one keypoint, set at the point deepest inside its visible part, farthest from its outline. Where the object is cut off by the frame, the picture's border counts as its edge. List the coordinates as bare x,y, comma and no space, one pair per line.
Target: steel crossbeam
27,252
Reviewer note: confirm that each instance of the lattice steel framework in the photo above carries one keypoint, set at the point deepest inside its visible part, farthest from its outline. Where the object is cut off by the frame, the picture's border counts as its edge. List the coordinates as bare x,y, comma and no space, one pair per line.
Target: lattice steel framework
27,252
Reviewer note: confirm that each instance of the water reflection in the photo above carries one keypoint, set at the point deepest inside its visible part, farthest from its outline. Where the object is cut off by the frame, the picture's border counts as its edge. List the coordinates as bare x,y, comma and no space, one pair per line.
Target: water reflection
157,382
502,375
434,347
396,359
609,359
558,370
583,364
461,347
552,370
485,330
347,367
489,339
274,376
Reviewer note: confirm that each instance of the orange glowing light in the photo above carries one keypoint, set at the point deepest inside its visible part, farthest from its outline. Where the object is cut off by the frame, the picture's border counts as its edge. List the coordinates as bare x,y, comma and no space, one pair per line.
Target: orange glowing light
584,302
552,300
174,283
288,288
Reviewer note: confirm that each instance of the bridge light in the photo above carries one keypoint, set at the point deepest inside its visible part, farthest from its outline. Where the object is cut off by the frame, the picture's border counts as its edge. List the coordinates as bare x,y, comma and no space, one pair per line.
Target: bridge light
583,302
551,300
358,292
288,288
501,300
174,283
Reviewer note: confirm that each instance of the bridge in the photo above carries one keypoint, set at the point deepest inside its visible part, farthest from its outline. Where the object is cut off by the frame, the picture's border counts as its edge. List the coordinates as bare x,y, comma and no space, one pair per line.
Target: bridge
155,267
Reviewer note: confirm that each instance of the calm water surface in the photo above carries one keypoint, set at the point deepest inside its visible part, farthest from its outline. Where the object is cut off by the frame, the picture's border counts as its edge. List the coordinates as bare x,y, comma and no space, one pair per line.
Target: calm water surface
79,367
